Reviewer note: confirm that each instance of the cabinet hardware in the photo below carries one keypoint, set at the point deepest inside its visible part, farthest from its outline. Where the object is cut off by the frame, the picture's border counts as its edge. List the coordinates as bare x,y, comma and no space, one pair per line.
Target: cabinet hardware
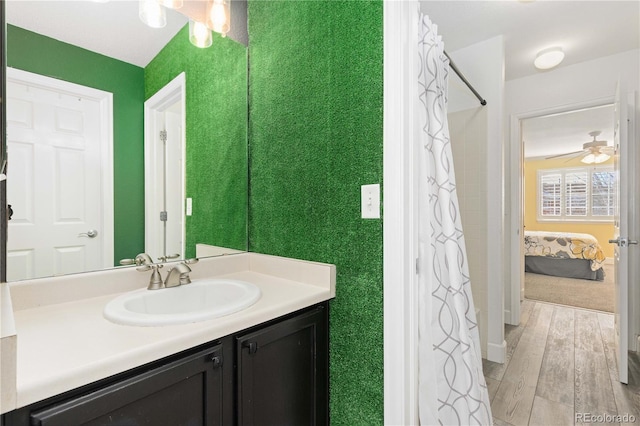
252,346
217,360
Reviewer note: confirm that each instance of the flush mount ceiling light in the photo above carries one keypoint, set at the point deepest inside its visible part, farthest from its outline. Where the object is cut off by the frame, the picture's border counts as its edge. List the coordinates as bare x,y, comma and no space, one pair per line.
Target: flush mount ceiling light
549,58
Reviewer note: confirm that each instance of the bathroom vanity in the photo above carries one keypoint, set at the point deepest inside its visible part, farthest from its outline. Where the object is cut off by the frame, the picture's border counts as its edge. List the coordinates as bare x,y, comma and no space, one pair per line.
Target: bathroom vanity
267,363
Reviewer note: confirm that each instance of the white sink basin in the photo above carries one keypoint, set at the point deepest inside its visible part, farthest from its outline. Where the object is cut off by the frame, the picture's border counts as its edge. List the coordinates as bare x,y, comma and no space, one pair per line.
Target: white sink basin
199,301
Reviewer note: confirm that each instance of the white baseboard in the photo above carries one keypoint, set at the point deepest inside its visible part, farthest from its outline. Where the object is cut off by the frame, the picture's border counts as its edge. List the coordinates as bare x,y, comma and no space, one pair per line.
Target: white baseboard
508,319
497,353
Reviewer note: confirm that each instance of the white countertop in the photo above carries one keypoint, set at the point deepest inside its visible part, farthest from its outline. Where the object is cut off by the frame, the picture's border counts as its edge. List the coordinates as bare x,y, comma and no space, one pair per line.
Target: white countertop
64,342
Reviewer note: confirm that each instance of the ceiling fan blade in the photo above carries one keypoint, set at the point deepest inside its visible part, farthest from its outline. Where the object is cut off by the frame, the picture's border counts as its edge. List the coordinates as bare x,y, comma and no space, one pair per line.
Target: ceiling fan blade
564,155
577,154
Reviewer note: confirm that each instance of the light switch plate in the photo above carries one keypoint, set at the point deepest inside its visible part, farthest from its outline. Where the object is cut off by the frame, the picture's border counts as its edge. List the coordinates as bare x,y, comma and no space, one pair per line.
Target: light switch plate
189,207
370,201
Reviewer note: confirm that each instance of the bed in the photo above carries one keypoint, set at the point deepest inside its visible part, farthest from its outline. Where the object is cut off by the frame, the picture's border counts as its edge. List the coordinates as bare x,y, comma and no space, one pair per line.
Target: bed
563,254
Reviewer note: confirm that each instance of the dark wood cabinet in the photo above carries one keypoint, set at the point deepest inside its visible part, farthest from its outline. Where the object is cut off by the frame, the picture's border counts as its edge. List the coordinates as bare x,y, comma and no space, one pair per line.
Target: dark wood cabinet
189,390
271,374
282,372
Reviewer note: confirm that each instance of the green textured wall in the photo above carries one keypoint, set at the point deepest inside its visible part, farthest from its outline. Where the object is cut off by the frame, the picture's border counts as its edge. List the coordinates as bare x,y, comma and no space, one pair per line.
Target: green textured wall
315,136
216,164
46,56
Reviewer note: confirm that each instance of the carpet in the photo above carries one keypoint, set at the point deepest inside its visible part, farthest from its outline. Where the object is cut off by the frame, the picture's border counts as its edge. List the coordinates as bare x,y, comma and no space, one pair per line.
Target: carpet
588,294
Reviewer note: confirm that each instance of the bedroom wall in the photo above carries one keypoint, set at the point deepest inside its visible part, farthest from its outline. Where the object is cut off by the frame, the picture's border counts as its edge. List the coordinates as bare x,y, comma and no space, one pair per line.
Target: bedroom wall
468,134
602,231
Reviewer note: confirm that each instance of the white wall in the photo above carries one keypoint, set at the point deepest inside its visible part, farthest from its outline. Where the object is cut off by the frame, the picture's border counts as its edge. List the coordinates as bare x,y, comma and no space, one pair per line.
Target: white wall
468,134
586,83
483,65
573,84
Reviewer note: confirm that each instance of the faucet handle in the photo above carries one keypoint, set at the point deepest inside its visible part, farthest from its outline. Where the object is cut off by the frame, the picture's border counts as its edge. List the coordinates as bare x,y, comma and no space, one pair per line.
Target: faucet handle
144,259
140,259
191,261
169,256
155,282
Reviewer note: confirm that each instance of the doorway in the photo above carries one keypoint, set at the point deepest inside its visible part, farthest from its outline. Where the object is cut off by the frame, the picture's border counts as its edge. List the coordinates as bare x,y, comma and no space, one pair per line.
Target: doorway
568,209
625,155
164,148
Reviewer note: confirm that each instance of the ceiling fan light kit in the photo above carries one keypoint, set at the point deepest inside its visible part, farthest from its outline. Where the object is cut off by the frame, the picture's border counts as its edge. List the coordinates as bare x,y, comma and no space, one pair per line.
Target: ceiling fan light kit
592,152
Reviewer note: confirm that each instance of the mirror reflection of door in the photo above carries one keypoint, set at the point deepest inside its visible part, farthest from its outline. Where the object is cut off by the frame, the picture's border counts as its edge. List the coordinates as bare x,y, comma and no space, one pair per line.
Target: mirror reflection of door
58,137
164,172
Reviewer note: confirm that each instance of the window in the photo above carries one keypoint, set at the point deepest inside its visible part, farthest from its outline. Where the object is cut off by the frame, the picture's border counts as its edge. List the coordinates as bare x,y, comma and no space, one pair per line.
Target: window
584,194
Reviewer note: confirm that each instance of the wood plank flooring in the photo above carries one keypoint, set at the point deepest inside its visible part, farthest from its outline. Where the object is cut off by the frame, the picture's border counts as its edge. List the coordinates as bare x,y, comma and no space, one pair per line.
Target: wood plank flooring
561,366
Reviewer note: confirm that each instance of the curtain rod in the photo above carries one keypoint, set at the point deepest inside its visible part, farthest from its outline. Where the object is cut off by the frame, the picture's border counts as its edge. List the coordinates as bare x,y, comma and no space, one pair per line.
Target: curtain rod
464,80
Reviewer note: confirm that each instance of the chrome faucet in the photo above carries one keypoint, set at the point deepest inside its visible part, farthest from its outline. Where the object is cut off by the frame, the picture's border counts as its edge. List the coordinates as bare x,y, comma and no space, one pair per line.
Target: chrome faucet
178,275
145,263
155,282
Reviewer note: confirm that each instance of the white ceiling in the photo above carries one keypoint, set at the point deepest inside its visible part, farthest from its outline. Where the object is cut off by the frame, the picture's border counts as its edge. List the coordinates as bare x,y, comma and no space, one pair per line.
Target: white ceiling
585,29
562,133
112,28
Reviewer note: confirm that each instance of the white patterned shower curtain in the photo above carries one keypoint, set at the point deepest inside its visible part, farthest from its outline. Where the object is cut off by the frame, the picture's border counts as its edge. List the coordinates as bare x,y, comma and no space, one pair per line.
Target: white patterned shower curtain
452,389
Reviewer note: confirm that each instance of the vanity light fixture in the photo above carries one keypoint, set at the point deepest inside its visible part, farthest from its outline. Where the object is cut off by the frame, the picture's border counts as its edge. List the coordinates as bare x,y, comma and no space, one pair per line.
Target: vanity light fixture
219,16
172,4
199,34
152,13
549,58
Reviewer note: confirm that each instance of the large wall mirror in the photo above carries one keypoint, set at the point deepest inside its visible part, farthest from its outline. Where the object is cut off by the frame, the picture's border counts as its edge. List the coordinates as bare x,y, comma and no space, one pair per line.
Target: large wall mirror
121,138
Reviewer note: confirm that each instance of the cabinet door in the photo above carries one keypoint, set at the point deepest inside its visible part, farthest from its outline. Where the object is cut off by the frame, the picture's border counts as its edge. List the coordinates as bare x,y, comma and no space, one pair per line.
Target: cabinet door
187,391
283,372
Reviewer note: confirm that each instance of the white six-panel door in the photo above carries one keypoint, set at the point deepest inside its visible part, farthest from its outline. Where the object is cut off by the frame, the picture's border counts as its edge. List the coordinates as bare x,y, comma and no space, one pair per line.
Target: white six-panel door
59,163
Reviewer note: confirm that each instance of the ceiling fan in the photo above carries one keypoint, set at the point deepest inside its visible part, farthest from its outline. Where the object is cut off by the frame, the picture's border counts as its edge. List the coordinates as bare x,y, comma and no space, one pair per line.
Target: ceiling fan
594,151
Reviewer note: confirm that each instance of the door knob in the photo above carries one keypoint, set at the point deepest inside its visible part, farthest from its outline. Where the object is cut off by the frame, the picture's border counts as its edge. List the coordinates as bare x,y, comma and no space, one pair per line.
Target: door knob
623,242
91,233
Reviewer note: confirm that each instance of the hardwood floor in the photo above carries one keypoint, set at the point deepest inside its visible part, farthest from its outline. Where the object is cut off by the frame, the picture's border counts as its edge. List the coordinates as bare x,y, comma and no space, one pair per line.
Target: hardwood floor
560,369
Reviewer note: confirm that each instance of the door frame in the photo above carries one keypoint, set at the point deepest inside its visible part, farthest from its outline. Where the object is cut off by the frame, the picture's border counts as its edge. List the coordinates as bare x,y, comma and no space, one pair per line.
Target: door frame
105,105
516,260
171,93
400,213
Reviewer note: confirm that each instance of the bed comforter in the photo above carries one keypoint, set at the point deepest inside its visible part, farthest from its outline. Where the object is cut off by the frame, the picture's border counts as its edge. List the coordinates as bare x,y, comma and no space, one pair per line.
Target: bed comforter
564,245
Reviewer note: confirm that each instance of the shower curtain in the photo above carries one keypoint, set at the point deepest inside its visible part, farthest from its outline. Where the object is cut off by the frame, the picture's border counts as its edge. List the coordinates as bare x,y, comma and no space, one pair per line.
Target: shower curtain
452,389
